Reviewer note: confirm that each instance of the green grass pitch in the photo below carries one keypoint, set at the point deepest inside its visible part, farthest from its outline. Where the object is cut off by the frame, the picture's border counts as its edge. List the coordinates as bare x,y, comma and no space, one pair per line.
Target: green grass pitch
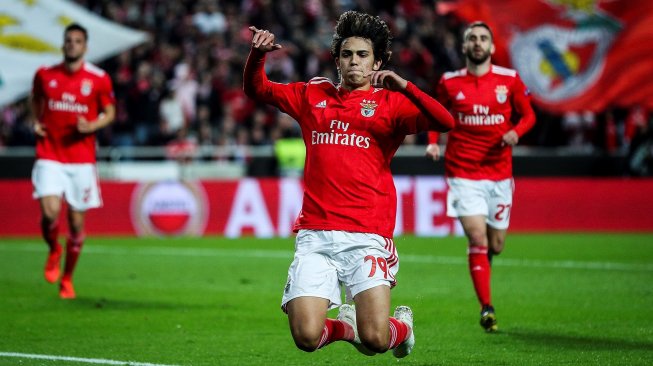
563,299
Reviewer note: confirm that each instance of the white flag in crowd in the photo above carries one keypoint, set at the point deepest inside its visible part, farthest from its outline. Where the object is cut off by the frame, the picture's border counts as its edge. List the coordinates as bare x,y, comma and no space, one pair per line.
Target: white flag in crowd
31,35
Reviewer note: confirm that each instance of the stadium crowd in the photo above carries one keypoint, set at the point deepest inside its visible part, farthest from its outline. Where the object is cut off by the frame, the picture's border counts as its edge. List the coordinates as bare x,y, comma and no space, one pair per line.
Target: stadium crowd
183,88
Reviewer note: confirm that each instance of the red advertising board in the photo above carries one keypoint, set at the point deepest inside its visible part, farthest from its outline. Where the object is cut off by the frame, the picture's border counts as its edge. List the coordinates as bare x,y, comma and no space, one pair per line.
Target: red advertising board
268,207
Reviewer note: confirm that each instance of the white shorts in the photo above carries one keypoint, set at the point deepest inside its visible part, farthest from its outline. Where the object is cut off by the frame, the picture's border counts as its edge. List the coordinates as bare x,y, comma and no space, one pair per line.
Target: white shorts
492,199
78,183
325,260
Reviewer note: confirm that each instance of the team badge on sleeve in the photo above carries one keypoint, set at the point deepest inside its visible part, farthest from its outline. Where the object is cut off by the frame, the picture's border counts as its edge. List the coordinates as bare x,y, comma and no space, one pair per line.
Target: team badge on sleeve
87,87
368,107
502,93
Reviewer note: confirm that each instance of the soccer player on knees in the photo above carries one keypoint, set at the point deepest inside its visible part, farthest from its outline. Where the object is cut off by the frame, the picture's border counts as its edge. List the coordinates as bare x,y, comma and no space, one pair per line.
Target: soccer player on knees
70,101
351,130
478,161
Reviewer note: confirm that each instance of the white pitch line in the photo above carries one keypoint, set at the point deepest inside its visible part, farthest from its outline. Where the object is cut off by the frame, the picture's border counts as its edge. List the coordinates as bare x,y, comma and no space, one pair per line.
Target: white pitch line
287,255
97,361
533,263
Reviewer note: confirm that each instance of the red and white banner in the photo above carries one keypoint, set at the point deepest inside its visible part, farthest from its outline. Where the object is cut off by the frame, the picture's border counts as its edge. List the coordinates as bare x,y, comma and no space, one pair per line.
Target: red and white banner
573,55
268,207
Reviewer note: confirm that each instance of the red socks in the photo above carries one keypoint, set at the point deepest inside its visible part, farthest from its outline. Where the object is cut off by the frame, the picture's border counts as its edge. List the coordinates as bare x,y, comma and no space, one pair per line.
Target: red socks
335,330
73,249
399,332
479,269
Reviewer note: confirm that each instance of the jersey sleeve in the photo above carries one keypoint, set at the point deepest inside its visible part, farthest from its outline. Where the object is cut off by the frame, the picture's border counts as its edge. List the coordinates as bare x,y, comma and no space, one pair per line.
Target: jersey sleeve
106,96
37,84
418,112
287,97
521,102
443,97
37,97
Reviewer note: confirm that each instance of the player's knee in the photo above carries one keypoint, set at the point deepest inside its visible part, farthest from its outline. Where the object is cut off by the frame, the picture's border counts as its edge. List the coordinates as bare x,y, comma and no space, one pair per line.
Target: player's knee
477,239
375,341
50,215
306,342
306,345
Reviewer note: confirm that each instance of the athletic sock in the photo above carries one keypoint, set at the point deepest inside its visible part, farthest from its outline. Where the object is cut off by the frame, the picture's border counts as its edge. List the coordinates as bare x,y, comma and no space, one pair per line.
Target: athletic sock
50,232
479,269
73,249
335,330
399,332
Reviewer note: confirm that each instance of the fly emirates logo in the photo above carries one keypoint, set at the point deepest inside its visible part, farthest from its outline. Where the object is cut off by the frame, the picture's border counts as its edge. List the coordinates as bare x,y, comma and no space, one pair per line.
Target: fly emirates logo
339,136
481,117
67,104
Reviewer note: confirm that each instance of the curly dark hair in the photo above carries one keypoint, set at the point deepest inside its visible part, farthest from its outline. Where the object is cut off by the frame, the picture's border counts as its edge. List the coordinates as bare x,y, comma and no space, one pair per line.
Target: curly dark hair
356,24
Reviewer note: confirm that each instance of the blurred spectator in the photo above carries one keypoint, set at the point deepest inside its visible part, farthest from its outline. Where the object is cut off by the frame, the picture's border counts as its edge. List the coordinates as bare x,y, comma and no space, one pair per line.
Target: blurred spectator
15,127
186,89
208,18
142,103
172,117
579,128
640,152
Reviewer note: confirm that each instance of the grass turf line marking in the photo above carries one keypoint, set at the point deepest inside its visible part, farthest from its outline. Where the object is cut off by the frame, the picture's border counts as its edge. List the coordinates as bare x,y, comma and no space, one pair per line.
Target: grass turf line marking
286,254
97,361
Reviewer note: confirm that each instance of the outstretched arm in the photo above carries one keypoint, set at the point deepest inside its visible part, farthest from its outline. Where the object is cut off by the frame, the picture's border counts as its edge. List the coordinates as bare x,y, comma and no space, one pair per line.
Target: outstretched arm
286,97
254,78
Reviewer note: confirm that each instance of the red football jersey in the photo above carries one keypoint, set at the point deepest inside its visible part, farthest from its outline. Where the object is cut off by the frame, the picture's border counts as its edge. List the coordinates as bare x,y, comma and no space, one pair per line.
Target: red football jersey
350,138
483,107
64,97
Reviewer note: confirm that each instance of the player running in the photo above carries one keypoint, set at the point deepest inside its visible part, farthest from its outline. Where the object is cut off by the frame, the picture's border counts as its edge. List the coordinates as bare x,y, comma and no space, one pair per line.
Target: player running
351,131
70,101
478,162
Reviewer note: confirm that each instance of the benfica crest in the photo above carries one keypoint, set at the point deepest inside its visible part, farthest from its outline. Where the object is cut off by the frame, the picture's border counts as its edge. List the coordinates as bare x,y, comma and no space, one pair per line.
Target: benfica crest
562,60
368,107
87,87
502,93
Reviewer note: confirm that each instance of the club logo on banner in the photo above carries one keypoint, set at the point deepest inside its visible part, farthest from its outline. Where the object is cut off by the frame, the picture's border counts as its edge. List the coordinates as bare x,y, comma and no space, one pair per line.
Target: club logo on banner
559,61
169,208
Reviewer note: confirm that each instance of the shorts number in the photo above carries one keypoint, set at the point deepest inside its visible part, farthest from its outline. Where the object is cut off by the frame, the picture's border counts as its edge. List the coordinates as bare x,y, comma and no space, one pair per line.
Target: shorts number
380,262
502,209
87,195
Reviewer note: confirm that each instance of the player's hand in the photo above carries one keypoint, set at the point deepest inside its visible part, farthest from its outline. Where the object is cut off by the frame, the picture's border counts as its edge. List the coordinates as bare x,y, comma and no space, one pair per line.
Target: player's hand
84,126
433,151
510,138
388,80
263,40
39,129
